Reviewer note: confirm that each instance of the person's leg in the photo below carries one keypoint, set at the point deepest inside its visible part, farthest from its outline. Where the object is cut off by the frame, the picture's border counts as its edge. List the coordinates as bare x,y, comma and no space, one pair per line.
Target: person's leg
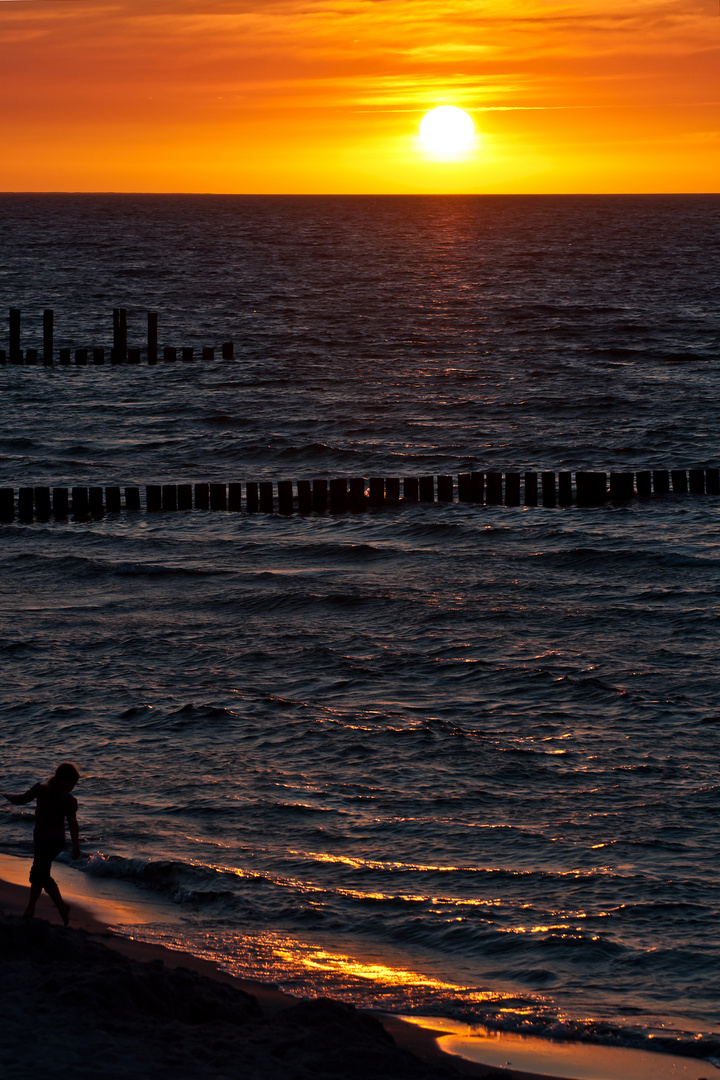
54,893
35,891
45,852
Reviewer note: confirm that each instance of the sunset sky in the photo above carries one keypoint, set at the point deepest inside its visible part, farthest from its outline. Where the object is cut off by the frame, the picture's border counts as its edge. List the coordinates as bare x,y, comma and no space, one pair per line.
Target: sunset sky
328,95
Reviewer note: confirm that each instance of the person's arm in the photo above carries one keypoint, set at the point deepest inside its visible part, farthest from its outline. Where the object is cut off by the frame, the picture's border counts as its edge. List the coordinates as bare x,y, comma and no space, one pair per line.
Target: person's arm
20,800
74,834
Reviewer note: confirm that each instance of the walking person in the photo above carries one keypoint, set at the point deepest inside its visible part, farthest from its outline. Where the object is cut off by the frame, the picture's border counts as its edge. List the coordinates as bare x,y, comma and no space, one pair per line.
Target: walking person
54,805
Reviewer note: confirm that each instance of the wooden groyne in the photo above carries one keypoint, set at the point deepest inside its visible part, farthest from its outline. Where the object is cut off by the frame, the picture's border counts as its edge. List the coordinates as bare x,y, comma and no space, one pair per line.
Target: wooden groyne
342,495
97,355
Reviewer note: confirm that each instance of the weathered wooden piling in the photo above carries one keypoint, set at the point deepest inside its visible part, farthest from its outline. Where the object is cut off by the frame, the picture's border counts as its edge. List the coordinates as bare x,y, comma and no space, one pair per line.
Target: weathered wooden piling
227,350
319,496
531,489
153,498
304,493
208,353
445,491
267,499
493,484
113,503
60,503
512,489
696,481
392,489
7,504
133,356
235,498
252,497
591,488
426,489
132,499
81,357
169,496
26,503
65,356
465,488
565,495
48,330
3,356
202,496
119,349
549,497
95,502
661,481
621,486
357,493
15,354
80,503
285,496
679,481
377,490
188,354
643,483
98,356
218,497
184,497
338,495
152,337
169,354
31,356
712,481
411,489
43,506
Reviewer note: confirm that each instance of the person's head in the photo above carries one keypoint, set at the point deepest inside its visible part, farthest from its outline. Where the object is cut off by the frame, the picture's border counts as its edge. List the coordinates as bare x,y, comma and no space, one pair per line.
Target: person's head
65,778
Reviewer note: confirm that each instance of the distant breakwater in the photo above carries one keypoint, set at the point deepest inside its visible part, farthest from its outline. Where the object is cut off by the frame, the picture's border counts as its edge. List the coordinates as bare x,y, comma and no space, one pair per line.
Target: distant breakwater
356,494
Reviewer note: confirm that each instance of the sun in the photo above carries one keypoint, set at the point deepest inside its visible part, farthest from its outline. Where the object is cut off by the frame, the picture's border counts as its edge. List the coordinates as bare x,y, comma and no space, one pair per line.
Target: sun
447,130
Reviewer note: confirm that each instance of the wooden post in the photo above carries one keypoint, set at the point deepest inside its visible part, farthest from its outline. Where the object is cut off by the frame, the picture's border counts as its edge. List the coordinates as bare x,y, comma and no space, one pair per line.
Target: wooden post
132,499
48,320
494,488
531,489
621,486
465,488
208,352
15,356
81,357
119,335
169,354
512,489
338,495
304,491
80,503
548,489
643,482
7,504
712,481
426,488
357,493
42,503
267,502
227,350
95,502
188,354
319,498
285,496
696,481
60,503
445,489
252,497
26,503
169,496
661,481
98,356
478,486
410,489
565,497
153,498
218,497
392,489
113,503
377,490
202,496
679,481
133,356
152,345
185,497
591,488
235,498
3,356
31,356
65,356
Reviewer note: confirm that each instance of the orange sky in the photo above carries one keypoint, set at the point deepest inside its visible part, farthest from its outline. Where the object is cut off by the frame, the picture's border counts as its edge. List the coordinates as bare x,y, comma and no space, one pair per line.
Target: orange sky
327,95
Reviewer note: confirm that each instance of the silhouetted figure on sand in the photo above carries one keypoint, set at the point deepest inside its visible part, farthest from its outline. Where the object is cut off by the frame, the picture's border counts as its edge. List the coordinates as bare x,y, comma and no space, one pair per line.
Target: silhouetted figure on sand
54,805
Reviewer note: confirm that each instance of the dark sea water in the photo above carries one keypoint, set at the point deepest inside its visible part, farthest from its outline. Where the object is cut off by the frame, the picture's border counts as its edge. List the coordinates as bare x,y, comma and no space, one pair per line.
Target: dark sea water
446,759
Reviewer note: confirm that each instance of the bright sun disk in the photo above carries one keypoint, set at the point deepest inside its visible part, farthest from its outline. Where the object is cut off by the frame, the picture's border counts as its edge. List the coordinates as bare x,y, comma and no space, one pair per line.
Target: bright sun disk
447,130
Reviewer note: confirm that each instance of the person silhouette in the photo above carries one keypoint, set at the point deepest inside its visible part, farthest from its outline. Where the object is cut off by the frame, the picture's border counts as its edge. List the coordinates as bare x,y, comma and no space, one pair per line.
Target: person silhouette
54,804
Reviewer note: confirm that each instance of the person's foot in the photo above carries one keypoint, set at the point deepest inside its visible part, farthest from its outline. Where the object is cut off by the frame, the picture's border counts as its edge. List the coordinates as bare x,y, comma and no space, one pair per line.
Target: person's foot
28,913
65,913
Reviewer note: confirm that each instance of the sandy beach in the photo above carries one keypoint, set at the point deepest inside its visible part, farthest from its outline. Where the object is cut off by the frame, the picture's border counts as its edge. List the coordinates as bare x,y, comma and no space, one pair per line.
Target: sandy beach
98,1004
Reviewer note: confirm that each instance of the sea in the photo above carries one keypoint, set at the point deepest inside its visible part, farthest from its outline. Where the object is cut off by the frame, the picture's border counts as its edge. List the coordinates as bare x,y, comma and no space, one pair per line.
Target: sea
437,759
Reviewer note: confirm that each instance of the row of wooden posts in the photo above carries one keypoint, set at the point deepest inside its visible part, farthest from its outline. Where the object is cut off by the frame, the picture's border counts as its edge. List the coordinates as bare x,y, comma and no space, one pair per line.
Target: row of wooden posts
357,493
119,353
